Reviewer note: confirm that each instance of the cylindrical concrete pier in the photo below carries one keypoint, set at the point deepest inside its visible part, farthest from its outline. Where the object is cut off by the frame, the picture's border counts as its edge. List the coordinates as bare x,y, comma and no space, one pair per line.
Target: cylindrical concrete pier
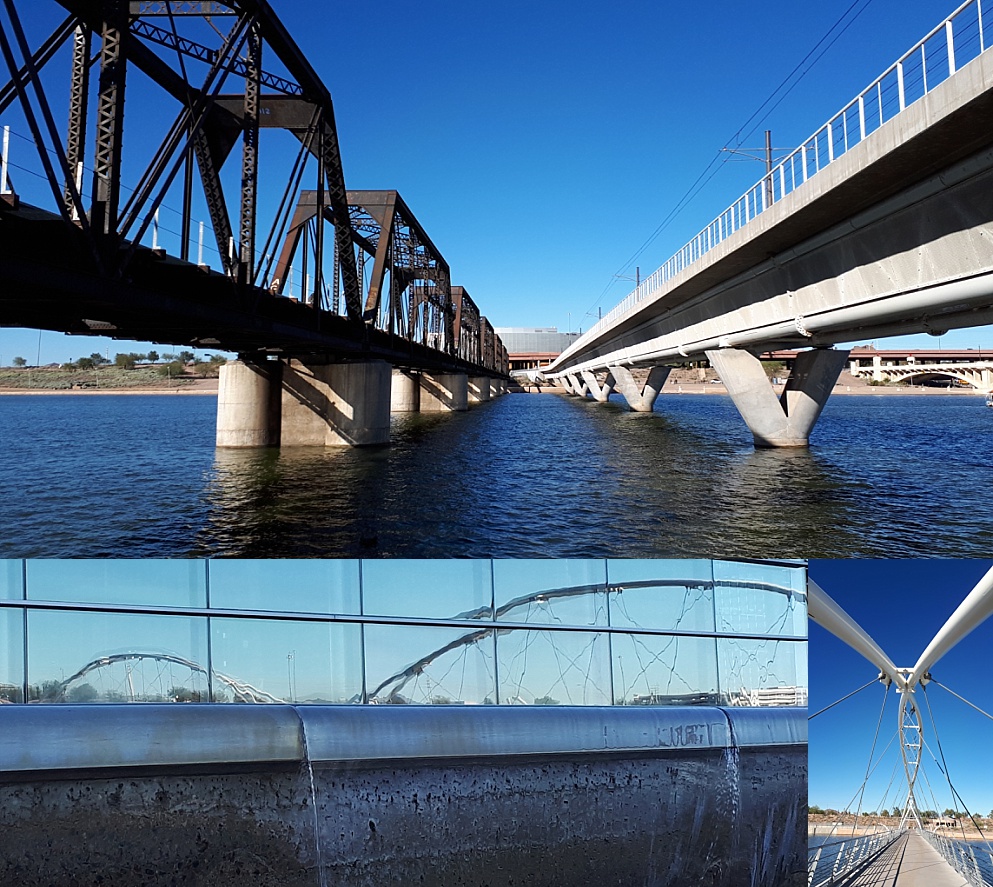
479,389
248,405
444,392
405,392
339,404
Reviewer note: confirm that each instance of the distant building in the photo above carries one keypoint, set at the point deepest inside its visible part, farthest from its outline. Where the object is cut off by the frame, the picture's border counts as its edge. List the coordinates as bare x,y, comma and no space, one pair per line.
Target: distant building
533,347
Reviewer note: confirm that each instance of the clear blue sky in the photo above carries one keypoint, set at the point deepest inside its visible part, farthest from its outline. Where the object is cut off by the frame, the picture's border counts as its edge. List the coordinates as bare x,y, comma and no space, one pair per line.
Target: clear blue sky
901,604
541,145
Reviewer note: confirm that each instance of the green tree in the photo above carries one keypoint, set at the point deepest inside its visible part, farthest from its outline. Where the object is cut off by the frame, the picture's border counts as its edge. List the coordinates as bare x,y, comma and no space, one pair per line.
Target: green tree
125,361
86,363
98,359
20,362
885,814
813,808
171,370
186,356
153,356
83,693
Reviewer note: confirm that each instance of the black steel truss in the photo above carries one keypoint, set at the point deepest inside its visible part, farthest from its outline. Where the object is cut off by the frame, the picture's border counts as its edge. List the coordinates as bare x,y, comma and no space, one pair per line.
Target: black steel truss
409,297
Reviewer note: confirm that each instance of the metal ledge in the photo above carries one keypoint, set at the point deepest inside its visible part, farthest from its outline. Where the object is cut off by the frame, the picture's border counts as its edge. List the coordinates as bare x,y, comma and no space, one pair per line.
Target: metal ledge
36,738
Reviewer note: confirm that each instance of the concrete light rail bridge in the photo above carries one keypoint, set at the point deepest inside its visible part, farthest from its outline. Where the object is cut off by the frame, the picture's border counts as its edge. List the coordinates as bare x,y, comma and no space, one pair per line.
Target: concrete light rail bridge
879,224
337,301
915,853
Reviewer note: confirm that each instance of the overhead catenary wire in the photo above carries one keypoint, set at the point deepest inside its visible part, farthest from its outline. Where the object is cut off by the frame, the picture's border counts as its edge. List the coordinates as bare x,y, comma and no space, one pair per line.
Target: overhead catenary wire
739,136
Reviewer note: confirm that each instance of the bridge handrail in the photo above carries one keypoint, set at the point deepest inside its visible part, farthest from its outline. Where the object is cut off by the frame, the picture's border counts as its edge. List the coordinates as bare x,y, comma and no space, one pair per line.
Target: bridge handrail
823,147
961,856
826,863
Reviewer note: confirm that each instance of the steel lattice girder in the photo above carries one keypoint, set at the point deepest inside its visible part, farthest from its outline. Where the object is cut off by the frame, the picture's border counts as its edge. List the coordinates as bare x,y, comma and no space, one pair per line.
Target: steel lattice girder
208,127
385,228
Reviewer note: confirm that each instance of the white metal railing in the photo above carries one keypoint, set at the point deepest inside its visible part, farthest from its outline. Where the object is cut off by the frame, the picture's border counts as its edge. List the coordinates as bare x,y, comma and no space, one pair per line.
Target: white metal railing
956,41
828,862
972,863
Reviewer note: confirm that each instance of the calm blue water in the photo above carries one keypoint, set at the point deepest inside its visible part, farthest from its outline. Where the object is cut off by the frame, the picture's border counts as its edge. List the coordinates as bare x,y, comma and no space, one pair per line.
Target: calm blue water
522,476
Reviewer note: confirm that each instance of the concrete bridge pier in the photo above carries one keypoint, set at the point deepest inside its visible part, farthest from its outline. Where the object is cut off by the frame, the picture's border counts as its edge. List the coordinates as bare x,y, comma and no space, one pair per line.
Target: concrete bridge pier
640,399
338,404
444,392
405,392
480,389
601,393
573,385
248,404
788,420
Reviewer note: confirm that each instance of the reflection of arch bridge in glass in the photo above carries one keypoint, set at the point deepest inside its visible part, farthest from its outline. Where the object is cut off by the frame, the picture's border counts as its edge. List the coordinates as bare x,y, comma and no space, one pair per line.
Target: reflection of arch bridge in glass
751,653
160,684
873,853
541,632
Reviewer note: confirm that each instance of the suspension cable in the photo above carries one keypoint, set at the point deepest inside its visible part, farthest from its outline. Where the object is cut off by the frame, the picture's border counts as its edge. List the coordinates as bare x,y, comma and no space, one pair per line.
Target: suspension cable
872,751
966,701
848,806
843,698
948,777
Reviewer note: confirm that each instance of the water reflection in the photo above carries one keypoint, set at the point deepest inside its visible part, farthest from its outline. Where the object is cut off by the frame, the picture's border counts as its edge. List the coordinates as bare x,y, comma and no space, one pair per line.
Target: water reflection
522,476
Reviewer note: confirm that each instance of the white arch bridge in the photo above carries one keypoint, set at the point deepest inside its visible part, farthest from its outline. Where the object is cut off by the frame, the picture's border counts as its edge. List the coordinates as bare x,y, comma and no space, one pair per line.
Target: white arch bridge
977,373
878,856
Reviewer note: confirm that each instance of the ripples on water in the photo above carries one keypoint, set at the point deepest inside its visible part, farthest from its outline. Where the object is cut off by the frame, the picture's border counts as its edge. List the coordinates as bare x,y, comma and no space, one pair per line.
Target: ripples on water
522,476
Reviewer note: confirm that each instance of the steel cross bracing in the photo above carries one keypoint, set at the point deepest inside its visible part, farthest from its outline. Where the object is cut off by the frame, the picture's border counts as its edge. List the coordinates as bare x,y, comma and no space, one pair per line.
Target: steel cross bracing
222,74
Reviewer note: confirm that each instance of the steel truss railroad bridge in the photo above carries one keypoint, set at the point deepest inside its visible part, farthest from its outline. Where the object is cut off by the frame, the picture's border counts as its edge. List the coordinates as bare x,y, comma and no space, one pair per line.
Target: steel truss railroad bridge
291,298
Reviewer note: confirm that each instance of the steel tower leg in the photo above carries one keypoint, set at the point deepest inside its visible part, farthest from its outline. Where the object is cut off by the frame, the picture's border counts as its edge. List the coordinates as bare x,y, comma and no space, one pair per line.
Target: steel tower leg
110,118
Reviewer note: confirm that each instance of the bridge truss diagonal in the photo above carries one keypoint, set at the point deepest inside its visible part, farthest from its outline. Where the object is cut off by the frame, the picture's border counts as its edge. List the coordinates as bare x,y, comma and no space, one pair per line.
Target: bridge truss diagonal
203,90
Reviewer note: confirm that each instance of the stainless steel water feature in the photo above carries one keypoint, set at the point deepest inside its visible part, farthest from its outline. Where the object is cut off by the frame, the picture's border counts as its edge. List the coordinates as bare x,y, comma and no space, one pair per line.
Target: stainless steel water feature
439,792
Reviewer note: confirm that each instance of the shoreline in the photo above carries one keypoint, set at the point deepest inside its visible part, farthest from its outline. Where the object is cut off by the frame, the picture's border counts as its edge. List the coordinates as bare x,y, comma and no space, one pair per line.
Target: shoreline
200,387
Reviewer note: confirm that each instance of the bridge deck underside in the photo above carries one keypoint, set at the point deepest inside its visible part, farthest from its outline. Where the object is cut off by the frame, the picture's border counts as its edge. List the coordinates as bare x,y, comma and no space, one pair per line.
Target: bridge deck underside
908,862
856,233
47,285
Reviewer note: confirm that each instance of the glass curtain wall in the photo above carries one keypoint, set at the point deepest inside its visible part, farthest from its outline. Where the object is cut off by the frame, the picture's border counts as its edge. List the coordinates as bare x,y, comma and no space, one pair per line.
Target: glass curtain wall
508,632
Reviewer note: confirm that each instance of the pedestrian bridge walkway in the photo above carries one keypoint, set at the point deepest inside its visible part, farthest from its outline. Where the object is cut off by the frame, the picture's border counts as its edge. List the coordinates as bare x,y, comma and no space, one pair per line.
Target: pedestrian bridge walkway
907,861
